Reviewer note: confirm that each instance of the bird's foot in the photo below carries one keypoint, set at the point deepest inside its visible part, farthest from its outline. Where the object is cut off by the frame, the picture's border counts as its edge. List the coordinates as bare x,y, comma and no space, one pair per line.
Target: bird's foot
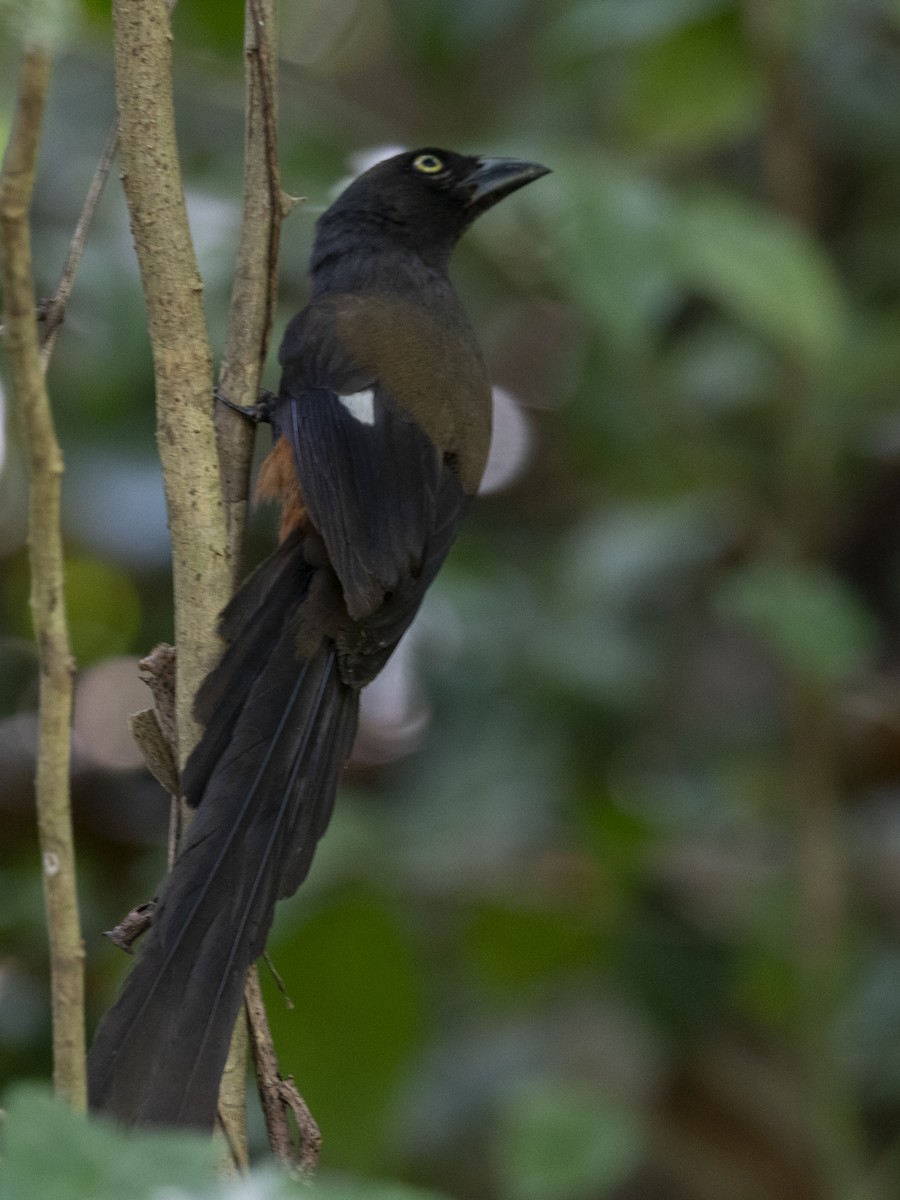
259,413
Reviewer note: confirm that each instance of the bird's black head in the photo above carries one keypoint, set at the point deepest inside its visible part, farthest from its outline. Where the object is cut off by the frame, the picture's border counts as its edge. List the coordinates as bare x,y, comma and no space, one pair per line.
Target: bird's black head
420,201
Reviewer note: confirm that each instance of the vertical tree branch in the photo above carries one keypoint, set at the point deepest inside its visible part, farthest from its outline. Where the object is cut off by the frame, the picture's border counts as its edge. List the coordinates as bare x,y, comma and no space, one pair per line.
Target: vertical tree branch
201,563
250,317
47,595
181,354
254,295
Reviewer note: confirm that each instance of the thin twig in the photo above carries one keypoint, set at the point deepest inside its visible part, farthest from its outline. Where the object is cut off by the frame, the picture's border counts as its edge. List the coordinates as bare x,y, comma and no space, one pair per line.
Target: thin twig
254,295
47,594
277,1095
250,319
279,982
54,311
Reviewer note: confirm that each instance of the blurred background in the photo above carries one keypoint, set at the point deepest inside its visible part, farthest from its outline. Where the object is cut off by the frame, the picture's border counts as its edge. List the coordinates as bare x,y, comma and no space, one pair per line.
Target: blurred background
610,904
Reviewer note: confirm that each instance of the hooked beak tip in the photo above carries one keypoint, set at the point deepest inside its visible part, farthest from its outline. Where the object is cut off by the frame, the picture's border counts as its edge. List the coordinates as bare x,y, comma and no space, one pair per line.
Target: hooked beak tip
495,178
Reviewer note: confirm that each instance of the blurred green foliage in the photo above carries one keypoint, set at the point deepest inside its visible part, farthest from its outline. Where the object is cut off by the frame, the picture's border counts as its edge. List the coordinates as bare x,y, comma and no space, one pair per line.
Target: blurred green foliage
94,1160
557,1143
625,924
80,1160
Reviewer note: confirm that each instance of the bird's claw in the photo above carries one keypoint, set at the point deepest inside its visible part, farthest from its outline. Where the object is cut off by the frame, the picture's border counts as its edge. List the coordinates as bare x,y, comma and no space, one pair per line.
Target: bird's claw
259,413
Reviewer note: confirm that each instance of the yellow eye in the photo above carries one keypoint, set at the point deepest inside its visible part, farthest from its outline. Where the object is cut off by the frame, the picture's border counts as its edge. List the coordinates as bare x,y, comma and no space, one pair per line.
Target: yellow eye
428,164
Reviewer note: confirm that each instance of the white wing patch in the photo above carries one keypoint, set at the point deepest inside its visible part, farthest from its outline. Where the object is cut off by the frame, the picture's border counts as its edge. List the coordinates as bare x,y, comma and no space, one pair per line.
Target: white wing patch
360,406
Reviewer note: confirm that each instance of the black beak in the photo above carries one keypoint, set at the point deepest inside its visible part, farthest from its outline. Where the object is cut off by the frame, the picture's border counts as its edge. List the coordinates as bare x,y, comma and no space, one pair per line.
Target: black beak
495,178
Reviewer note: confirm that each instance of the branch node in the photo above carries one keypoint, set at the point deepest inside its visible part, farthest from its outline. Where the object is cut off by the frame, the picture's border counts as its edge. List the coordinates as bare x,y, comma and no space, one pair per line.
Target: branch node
289,203
130,928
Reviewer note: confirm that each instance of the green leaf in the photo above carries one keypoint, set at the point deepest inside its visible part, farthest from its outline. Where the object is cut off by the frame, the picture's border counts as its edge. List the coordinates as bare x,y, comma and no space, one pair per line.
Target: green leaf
218,29
681,975
699,86
104,609
351,1033
598,25
612,228
812,622
50,1151
766,270
326,1188
102,605
633,550
512,948
869,1021
562,1142
766,983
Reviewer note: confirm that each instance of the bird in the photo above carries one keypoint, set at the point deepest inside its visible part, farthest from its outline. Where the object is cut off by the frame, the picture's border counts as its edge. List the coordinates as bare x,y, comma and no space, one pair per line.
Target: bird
381,428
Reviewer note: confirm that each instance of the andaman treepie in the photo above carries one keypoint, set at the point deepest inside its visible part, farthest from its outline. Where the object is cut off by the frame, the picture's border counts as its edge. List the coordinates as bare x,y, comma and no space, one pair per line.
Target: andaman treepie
382,425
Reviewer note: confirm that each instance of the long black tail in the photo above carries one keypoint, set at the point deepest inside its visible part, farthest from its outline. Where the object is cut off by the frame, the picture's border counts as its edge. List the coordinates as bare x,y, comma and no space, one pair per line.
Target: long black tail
263,777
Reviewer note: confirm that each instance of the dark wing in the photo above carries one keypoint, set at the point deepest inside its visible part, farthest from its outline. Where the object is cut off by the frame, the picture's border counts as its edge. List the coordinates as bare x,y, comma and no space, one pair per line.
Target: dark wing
376,486
372,484
384,494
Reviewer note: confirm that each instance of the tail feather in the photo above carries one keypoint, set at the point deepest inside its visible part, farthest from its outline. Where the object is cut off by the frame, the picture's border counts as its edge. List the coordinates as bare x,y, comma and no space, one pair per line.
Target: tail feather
158,1055
251,626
